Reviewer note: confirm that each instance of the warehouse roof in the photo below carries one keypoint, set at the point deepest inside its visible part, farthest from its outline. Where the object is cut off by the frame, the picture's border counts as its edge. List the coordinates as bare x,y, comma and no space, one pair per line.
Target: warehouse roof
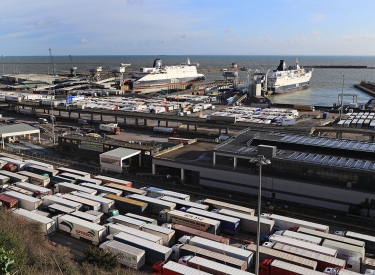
121,153
17,130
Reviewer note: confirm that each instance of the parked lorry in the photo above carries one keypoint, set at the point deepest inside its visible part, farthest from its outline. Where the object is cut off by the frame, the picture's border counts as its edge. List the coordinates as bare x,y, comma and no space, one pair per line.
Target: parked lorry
107,206
269,253
182,250
86,203
344,250
30,162
360,265
8,202
66,187
40,170
182,230
126,255
111,128
58,209
14,177
221,119
20,190
142,218
18,164
285,223
125,191
127,221
35,178
154,205
369,240
79,228
183,204
301,244
37,190
299,236
3,181
125,205
113,229
154,252
70,171
166,130
47,225
24,201
249,223
277,267
82,121
167,235
285,121
101,189
172,268
322,260
105,180
88,180
205,265
337,271
48,200
85,216
155,192
215,204
228,225
228,250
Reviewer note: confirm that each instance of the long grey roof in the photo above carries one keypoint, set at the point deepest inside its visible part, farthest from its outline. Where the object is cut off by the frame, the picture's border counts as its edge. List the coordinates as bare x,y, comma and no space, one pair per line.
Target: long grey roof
17,129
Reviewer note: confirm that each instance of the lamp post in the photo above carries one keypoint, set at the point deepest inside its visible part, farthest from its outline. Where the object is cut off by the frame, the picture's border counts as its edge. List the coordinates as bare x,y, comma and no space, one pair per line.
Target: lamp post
342,96
261,160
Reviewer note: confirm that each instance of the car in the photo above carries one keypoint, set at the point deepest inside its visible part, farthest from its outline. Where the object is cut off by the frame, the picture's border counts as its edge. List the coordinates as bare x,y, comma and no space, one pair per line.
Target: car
89,131
95,135
77,134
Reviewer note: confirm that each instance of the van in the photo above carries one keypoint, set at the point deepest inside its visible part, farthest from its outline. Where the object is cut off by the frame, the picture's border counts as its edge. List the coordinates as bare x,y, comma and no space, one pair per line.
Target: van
42,121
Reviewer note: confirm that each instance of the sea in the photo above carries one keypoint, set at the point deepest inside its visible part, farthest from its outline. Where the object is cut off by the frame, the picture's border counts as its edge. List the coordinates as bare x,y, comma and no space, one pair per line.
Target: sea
325,86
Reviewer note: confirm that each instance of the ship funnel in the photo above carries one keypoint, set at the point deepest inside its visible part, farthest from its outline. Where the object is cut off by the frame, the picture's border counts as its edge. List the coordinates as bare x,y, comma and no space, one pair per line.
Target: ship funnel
157,63
282,66
297,64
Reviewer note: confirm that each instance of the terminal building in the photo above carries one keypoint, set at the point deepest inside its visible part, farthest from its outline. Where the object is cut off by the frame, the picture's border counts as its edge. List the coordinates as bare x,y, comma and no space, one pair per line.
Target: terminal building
319,171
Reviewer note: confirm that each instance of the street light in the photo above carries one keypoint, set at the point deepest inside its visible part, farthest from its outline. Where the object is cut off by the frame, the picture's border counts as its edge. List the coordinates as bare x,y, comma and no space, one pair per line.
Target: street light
261,160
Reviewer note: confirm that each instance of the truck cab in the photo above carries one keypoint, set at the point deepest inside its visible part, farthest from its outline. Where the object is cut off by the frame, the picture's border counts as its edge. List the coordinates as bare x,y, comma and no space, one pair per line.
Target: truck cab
42,120
184,239
176,252
184,260
163,216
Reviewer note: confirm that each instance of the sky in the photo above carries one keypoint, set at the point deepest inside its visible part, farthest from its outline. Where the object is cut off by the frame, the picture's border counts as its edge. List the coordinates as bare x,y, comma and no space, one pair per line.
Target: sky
187,27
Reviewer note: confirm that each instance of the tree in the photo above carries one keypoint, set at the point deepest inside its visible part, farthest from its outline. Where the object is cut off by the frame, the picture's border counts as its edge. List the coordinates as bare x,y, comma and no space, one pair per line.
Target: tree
6,261
102,259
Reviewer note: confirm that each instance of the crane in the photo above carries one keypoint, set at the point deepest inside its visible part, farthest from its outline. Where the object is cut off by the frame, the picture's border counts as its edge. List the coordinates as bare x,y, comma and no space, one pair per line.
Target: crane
53,63
72,68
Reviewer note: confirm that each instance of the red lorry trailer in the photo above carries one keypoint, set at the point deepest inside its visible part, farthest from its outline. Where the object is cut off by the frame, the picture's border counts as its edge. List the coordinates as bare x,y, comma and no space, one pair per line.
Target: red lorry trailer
172,268
182,230
276,267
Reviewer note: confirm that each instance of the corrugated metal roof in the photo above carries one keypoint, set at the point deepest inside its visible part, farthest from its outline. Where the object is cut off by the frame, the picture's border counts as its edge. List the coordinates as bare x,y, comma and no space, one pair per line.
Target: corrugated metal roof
121,153
17,129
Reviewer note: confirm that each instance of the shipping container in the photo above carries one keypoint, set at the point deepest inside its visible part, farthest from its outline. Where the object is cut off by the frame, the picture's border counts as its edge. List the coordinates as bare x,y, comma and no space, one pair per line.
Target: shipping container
125,191
8,202
155,192
66,187
126,255
48,200
40,170
24,201
20,190
344,250
133,223
211,266
228,225
69,176
167,235
228,250
182,230
113,229
86,217
369,240
58,209
285,223
182,250
301,244
102,189
194,221
79,228
172,268
47,224
36,179
125,205
37,190
269,253
154,205
14,177
75,172
249,223
277,267
106,204
142,218
113,180
86,204
214,204
299,236
184,203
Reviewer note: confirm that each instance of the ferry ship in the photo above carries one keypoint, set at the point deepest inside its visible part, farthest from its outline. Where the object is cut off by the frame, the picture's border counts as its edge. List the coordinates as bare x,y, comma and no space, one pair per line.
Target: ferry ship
159,76
287,79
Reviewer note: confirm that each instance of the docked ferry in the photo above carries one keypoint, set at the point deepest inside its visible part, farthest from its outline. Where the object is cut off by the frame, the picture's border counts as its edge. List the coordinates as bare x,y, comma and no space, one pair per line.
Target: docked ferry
287,79
159,76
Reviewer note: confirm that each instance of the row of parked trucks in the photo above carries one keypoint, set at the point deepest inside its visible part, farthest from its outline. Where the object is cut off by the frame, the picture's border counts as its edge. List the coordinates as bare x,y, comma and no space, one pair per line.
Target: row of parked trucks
192,233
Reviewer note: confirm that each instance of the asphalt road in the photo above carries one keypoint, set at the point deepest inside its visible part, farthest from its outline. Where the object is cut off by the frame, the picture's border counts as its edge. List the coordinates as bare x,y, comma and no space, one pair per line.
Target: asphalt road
69,242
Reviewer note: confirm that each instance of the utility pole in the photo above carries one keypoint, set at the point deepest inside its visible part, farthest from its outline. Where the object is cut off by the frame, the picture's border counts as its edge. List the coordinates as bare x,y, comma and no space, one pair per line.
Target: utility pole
342,96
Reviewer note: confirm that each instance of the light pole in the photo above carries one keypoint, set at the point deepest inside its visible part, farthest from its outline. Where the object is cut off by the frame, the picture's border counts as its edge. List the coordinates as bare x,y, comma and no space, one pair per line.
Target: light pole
261,160
342,96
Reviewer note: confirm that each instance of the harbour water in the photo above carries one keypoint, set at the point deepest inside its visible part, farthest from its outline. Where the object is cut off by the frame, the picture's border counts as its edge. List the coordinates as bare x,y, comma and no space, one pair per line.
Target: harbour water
326,84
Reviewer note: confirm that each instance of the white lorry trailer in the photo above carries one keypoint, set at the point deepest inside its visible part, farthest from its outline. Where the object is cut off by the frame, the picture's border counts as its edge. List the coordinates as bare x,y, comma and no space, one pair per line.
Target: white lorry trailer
126,255
111,128
101,189
47,225
37,190
113,229
105,204
48,200
66,187
127,221
299,236
36,179
344,250
167,235
24,201
154,205
79,228
85,216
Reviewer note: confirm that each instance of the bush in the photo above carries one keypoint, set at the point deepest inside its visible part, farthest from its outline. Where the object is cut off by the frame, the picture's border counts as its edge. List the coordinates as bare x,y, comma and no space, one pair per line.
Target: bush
102,259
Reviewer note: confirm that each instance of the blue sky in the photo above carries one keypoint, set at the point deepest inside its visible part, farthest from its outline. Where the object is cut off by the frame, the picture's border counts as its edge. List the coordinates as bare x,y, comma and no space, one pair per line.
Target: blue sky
187,27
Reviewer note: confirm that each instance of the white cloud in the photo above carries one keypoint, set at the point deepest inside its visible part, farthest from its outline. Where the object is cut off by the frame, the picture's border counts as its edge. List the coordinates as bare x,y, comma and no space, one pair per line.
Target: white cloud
84,40
228,30
317,17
